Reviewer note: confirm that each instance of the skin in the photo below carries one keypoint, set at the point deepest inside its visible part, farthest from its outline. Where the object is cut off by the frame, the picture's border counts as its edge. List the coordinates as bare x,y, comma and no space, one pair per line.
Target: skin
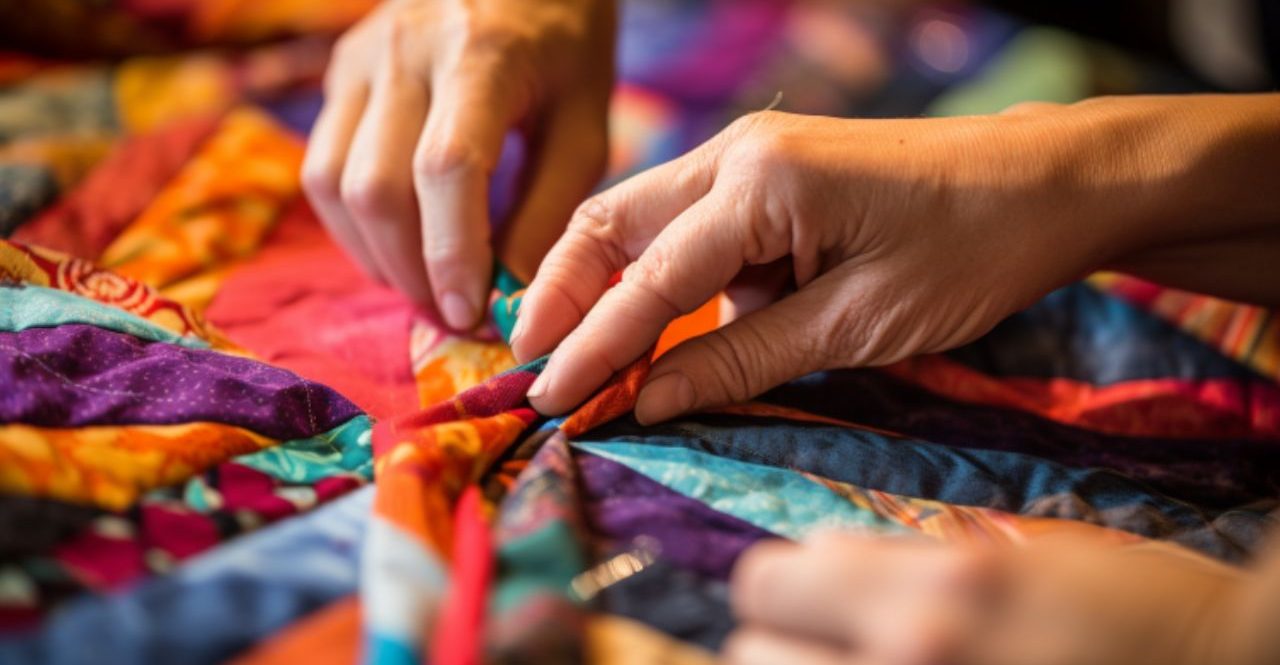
885,238
839,598
914,236
901,237
418,100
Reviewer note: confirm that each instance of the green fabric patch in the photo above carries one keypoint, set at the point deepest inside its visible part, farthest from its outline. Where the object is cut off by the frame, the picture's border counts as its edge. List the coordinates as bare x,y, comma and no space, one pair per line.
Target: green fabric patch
346,449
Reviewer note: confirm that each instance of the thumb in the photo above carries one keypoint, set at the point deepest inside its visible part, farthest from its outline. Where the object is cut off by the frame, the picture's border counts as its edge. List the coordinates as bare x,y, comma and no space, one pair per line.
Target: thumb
763,349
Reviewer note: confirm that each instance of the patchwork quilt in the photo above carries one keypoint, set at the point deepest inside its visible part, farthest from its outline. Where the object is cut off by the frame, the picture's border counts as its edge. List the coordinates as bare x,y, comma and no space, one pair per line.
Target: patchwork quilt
219,442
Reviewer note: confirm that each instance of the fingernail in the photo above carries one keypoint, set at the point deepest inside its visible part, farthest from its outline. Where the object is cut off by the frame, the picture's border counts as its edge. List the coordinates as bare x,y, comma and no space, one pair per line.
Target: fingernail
539,387
518,330
457,310
668,395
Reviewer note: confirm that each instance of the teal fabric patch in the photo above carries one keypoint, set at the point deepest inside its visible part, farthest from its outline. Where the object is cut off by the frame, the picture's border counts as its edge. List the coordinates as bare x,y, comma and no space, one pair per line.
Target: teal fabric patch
383,650
781,501
507,305
545,560
346,449
29,306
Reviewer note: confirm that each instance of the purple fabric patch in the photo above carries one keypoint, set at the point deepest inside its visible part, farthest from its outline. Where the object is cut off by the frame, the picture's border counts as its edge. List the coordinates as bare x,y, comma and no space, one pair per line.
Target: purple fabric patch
78,375
622,504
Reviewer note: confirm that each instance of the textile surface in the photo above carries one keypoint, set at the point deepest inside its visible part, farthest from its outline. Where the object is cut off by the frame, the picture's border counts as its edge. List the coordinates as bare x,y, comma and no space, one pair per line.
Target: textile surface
219,442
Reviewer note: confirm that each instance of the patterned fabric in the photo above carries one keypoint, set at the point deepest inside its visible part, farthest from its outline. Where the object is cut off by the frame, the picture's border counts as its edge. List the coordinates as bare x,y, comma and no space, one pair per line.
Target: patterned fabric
195,383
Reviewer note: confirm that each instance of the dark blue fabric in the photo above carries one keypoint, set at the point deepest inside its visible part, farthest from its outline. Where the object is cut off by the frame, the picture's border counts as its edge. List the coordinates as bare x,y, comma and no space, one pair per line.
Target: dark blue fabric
1078,333
1216,473
1008,481
674,600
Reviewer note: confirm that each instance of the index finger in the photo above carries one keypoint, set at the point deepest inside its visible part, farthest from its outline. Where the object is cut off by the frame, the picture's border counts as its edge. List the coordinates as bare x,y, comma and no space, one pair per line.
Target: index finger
685,266
608,232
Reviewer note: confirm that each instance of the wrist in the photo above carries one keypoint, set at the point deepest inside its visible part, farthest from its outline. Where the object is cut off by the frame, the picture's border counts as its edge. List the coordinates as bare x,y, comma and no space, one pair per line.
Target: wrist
1156,171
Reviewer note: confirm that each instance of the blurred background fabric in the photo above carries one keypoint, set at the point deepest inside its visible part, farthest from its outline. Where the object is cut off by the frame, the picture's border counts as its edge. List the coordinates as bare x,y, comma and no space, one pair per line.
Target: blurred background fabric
219,441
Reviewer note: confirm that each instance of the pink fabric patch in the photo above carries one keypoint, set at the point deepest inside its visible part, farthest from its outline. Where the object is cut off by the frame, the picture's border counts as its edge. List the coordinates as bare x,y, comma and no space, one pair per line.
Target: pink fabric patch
181,533
101,561
251,490
302,305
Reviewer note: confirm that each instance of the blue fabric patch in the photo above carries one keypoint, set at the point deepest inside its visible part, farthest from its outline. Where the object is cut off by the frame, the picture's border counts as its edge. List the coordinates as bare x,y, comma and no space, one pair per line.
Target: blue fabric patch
1008,481
215,605
1078,333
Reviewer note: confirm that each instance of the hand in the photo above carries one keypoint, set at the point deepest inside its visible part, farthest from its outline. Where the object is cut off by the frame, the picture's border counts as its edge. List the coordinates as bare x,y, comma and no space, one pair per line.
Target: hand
901,236
418,100
841,598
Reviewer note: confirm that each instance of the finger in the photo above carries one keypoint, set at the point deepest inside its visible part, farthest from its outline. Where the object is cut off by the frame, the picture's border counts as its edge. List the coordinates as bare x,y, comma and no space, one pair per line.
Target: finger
322,167
377,181
569,159
756,646
608,231
747,356
458,150
687,264
849,590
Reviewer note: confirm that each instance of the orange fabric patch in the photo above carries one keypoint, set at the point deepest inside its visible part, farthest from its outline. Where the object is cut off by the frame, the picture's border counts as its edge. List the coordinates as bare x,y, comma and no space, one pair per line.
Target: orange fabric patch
110,466
218,208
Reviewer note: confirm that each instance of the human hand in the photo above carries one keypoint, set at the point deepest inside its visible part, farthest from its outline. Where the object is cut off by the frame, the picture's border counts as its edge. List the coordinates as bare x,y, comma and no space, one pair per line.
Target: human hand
841,598
902,236
418,99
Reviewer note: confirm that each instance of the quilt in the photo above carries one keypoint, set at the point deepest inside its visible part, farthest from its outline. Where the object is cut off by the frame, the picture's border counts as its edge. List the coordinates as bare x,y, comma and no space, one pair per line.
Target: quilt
219,442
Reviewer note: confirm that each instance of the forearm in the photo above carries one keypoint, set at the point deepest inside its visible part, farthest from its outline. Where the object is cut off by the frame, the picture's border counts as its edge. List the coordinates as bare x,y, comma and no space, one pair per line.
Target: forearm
1180,190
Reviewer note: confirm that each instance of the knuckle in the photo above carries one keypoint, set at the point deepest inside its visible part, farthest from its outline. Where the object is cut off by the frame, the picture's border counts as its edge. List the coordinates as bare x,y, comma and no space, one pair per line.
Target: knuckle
596,222
650,271
751,123
367,195
764,152
594,217
648,276
446,159
494,41
754,132
320,181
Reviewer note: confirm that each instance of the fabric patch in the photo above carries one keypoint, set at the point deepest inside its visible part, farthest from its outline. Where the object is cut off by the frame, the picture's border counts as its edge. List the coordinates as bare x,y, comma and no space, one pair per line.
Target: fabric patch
23,191
86,219
217,605
217,208
34,266
24,307
59,102
348,449
777,500
110,466
77,375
